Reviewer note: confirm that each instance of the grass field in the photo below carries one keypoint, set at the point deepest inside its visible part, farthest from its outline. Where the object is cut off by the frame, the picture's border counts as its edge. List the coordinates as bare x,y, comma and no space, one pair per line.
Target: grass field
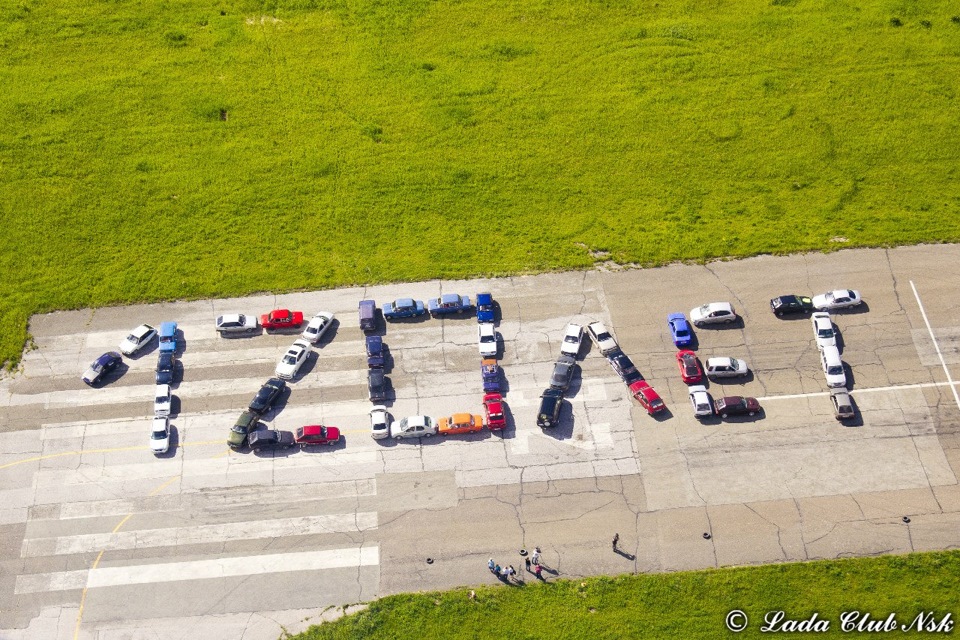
192,148
665,606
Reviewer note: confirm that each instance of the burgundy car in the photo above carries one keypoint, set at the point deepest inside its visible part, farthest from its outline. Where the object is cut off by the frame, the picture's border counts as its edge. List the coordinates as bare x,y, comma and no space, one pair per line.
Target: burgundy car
736,406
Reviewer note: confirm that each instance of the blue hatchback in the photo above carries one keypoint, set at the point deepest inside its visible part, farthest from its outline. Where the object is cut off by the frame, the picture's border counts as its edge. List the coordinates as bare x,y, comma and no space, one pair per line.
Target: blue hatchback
679,330
168,336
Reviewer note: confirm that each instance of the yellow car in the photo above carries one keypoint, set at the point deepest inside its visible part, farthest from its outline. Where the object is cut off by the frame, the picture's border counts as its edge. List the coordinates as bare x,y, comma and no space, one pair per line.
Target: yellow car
460,423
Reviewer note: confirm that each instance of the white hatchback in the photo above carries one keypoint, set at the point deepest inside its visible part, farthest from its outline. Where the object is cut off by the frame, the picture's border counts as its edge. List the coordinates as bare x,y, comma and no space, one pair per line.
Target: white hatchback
701,401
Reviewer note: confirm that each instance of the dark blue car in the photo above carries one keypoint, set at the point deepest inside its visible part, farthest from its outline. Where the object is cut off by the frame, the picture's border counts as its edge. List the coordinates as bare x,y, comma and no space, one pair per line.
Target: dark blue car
449,303
485,307
101,367
165,366
679,330
403,308
490,370
375,352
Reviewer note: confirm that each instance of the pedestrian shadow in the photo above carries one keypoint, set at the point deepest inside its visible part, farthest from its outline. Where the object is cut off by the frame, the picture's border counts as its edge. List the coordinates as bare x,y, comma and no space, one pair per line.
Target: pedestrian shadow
628,556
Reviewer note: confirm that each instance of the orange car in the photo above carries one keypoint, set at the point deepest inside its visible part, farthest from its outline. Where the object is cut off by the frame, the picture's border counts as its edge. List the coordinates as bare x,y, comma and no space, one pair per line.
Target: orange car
460,423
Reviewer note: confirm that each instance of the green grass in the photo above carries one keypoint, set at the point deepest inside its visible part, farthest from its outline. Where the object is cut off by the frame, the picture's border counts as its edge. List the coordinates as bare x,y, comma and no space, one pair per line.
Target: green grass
165,149
664,606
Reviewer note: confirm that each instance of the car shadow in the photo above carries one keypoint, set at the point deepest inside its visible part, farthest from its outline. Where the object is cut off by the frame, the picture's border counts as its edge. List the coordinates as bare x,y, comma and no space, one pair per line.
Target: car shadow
339,445
109,378
576,383
759,415
243,334
863,307
171,452
278,405
851,380
839,336
793,317
735,380
724,326
181,343
152,347
328,335
565,424
856,420
466,315
414,320
509,431
276,452
694,341
175,407
659,416
307,367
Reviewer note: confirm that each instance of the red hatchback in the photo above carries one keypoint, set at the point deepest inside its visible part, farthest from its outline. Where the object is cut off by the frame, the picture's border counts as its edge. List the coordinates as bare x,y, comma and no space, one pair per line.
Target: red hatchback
317,434
690,369
282,319
493,405
647,397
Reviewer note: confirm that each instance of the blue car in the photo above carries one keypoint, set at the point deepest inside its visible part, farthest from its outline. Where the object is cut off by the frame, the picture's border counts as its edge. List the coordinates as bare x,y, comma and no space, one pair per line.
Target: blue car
375,357
403,308
168,336
679,330
490,370
101,367
449,303
485,308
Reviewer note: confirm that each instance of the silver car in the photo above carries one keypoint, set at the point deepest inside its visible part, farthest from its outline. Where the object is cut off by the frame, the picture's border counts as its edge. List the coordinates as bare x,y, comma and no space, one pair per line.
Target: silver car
237,323
379,422
413,427
726,368
842,404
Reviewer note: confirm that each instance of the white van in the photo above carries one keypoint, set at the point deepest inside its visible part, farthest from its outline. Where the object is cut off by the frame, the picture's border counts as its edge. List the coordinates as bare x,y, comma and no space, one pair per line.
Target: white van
833,367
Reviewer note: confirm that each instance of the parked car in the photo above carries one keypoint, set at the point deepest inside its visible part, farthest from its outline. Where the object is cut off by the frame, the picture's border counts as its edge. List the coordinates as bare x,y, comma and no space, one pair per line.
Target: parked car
823,330
375,352
563,371
413,427
138,339
317,326
602,338
162,399
701,401
230,323
166,367
623,366
736,406
490,372
168,336
403,308
160,435
379,422
270,439
782,305
293,359
647,397
376,385
679,330
317,434
101,367
247,422
487,340
690,369
460,423
267,395
713,313
486,308
281,319
551,401
833,367
449,303
842,404
726,368
368,315
572,339
493,407
839,299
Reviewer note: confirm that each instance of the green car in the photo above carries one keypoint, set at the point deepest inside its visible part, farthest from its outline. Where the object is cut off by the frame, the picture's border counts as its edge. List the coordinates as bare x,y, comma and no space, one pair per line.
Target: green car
246,423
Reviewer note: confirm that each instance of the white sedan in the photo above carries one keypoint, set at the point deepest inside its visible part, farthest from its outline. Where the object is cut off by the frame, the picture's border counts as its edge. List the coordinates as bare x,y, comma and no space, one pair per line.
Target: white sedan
602,338
726,368
379,422
162,400
138,339
572,338
160,436
839,299
317,326
487,339
413,427
700,399
823,330
293,359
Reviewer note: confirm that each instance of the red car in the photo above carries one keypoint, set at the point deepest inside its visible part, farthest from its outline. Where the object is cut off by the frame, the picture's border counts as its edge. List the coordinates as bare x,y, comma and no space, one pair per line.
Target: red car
317,434
647,397
282,319
493,405
690,369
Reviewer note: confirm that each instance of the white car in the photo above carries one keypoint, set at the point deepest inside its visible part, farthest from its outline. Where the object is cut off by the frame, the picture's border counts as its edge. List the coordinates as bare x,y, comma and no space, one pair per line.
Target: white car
317,326
138,339
413,427
572,338
487,339
293,359
237,323
379,422
725,368
701,401
602,338
833,367
162,400
823,330
839,299
160,436
713,313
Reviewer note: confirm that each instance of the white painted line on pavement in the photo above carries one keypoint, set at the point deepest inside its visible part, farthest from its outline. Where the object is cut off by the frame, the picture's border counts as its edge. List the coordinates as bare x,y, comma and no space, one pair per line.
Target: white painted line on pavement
901,387
936,345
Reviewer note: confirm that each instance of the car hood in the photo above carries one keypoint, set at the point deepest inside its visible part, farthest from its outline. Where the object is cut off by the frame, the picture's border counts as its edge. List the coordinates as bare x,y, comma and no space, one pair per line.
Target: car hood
160,445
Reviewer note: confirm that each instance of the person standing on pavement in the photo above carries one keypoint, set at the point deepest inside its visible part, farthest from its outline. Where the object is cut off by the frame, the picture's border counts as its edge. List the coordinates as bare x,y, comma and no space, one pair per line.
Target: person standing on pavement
491,564
536,556
616,539
527,560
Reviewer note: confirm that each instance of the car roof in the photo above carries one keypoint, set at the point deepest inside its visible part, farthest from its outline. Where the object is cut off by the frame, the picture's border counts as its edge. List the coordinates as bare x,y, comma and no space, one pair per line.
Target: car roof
404,302
461,417
484,298
719,360
168,328
450,297
597,327
311,430
374,339
720,305
726,400
487,328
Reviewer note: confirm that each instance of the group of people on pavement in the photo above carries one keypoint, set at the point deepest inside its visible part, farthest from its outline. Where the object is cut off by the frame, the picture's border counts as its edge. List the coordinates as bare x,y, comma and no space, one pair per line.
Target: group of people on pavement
506,573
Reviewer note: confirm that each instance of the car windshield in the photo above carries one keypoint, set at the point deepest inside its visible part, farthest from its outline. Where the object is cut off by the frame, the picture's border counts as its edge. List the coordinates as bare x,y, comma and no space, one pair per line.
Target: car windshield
682,333
704,309
161,399
655,403
158,435
496,416
825,333
603,336
835,370
487,338
572,338
290,359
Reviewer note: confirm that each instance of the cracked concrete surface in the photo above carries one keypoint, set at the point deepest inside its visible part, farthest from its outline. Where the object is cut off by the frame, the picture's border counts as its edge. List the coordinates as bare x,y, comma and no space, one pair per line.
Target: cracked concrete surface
790,485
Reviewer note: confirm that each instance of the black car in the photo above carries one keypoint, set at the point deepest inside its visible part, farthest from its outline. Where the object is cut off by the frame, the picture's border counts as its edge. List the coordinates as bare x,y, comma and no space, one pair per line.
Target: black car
623,366
268,393
791,304
270,439
101,367
375,356
165,366
736,406
376,385
549,413
563,373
